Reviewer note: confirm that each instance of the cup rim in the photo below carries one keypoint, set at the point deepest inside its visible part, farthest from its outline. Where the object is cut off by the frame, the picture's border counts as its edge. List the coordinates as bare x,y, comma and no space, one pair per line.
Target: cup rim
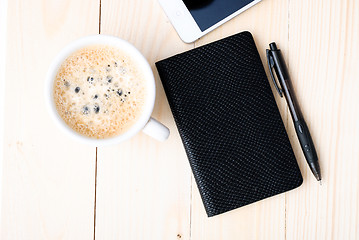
129,49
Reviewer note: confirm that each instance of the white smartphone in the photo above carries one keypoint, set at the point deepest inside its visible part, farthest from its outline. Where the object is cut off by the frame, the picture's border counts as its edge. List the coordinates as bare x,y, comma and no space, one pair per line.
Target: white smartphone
194,18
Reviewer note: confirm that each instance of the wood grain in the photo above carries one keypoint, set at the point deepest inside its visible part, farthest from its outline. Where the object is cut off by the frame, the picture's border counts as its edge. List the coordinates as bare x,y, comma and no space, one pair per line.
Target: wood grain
48,180
3,31
145,189
143,186
323,61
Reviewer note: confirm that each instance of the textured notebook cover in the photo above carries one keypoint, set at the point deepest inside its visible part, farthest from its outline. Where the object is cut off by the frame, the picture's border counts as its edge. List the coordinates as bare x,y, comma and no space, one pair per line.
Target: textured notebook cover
229,123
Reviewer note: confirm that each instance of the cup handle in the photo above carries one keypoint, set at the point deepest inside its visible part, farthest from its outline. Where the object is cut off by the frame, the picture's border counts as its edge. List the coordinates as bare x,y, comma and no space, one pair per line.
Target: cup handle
157,130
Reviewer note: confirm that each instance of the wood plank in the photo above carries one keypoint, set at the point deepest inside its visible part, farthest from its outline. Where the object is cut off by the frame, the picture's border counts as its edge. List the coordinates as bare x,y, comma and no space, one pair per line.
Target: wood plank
323,61
3,31
143,186
267,21
48,188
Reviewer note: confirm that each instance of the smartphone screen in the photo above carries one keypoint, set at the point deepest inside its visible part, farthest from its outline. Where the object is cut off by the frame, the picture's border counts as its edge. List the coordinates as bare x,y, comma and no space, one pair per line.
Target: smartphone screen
206,13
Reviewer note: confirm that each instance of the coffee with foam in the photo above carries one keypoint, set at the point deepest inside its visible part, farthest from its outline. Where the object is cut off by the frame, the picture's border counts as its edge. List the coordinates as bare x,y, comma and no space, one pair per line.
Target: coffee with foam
100,91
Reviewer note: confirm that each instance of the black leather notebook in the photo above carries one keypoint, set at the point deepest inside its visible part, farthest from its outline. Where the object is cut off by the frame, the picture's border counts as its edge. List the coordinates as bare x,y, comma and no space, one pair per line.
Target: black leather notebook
229,123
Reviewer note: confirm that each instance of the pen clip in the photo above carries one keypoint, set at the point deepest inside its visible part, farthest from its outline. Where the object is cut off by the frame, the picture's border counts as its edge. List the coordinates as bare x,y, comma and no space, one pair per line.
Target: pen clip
270,61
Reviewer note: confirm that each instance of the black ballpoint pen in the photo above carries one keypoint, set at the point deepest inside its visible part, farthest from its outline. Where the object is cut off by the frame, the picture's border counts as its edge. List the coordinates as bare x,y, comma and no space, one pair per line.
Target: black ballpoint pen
276,61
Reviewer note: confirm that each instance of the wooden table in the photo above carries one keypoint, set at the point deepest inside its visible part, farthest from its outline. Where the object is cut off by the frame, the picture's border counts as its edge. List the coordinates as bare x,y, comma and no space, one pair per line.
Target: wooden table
55,188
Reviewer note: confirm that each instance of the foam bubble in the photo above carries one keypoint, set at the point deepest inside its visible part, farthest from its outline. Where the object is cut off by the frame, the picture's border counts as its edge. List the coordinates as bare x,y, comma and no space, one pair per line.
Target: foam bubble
91,104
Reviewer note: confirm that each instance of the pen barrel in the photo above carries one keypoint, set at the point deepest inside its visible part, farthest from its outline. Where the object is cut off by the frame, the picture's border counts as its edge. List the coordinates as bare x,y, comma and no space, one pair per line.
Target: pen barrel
305,141
285,83
307,146
280,69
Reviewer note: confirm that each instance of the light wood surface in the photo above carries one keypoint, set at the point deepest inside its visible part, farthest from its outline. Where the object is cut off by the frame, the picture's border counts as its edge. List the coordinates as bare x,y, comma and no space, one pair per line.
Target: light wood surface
48,179
56,188
3,30
144,187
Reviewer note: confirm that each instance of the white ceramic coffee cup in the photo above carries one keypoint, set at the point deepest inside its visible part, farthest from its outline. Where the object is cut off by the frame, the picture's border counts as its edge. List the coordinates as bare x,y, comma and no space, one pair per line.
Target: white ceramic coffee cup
145,123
